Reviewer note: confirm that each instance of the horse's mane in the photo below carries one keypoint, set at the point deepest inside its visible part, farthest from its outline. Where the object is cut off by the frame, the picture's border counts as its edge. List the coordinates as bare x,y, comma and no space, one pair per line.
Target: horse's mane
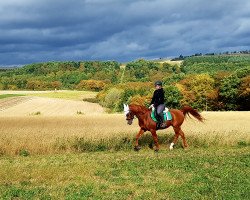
139,108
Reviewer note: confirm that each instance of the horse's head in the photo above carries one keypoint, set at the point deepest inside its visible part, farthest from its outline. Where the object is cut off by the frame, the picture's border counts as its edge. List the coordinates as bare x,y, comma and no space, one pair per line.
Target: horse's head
129,114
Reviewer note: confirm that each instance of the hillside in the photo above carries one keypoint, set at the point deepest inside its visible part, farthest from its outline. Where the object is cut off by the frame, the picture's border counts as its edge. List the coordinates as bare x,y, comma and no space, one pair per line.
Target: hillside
215,82
45,103
216,63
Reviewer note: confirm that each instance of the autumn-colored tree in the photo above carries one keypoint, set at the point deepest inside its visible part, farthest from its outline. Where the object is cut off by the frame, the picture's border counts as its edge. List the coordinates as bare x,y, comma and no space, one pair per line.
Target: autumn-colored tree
196,90
94,85
244,89
56,84
138,100
156,75
219,76
36,85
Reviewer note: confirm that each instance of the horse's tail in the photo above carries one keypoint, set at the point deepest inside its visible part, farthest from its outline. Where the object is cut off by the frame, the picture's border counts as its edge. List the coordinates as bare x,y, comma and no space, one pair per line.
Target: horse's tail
189,110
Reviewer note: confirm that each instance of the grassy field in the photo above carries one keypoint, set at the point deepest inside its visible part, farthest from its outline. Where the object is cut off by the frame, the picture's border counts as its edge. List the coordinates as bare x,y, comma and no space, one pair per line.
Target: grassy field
92,157
170,62
61,94
67,94
88,156
194,174
3,96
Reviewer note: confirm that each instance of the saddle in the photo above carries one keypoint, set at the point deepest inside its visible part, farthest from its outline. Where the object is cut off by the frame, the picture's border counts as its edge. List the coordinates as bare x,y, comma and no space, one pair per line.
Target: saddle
167,115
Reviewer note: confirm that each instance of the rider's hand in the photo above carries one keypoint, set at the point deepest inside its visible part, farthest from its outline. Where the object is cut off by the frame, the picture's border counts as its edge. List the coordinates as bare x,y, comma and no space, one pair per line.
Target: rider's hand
151,106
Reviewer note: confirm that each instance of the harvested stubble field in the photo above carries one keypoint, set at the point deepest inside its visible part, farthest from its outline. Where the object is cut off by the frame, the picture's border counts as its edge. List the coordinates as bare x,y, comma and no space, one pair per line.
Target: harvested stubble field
48,134
47,103
90,156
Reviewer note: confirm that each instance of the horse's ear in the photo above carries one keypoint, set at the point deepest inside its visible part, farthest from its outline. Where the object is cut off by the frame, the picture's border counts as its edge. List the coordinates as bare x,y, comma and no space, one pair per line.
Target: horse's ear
126,108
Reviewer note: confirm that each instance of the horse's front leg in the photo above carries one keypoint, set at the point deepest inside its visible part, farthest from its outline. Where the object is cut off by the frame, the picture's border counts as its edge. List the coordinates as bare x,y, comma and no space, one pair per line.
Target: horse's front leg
137,147
153,132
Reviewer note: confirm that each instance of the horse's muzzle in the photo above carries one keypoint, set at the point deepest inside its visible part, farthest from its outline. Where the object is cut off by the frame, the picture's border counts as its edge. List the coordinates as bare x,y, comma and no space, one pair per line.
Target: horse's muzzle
130,121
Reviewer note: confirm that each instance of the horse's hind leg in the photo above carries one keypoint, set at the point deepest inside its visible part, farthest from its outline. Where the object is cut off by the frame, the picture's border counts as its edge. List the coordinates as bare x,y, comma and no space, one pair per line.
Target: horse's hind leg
183,139
176,130
153,132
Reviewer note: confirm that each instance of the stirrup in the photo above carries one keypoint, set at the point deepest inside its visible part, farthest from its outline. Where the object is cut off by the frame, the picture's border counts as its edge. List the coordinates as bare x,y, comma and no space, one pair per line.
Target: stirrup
163,125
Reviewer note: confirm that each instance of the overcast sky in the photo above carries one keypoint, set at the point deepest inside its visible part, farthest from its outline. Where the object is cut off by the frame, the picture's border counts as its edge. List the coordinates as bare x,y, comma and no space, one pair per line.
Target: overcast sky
123,30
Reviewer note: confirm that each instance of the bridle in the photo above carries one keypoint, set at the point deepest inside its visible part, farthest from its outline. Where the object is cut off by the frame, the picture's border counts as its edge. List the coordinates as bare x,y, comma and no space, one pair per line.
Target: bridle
129,114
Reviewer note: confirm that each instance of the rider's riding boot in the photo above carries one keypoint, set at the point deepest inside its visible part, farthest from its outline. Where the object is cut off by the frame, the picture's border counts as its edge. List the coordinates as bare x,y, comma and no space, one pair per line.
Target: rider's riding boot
163,123
159,121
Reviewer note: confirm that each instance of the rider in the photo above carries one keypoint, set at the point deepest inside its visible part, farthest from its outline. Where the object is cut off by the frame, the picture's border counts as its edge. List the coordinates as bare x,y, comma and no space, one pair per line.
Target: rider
158,102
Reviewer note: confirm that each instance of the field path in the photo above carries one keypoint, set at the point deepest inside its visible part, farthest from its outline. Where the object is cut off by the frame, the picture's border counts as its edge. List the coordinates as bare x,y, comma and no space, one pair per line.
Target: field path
24,106
12,101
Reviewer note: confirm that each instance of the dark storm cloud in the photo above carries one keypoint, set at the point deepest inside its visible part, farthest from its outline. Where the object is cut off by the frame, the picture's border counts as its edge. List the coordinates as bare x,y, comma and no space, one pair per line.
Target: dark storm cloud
123,30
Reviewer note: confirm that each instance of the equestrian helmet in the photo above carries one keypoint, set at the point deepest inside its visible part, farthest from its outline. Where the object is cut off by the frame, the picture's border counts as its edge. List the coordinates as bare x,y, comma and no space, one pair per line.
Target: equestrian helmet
158,83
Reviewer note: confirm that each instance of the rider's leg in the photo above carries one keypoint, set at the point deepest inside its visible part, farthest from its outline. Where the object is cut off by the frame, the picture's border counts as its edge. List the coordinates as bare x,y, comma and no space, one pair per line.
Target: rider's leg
159,121
160,110
158,118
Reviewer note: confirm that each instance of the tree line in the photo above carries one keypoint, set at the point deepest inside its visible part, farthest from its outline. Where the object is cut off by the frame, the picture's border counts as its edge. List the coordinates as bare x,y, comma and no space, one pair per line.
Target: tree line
61,75
219,82
206,83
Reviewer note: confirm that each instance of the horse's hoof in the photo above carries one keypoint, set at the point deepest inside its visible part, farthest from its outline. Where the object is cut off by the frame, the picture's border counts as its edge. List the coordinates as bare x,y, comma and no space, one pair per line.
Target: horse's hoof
185,148
137,148
156,150
171,147
151,145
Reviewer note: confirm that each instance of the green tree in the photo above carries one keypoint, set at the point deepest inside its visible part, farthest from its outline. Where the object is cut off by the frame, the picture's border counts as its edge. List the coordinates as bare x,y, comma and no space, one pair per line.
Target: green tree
172,96
228,92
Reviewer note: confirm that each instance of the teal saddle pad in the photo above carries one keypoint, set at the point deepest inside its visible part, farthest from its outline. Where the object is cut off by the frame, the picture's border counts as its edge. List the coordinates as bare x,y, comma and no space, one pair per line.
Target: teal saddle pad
167,115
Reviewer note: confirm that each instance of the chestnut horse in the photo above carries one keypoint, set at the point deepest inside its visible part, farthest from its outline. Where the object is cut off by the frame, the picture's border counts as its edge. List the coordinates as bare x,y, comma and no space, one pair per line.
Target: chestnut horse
147,124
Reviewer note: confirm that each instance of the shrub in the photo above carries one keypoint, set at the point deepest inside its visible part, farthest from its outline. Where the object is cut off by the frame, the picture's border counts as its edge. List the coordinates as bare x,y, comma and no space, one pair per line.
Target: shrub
80,113
113,99
36,113
24,152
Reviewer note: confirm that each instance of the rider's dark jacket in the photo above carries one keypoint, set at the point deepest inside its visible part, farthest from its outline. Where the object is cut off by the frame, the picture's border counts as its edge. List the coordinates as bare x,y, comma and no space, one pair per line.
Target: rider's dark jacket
158,97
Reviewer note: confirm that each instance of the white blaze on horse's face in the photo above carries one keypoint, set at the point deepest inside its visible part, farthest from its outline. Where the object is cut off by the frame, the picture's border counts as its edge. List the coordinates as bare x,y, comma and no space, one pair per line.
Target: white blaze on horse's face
126,112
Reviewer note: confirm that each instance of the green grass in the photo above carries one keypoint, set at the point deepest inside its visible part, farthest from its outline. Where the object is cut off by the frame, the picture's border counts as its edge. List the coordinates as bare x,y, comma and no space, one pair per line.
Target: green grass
67,94
125,142
3,96
197,173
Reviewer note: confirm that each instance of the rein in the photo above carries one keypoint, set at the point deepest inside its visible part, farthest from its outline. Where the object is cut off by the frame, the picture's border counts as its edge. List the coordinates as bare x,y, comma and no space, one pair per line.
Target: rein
134,116
128,111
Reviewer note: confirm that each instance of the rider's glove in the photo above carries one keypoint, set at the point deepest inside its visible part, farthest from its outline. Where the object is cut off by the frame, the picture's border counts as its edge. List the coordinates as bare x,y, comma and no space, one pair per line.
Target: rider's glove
152,105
